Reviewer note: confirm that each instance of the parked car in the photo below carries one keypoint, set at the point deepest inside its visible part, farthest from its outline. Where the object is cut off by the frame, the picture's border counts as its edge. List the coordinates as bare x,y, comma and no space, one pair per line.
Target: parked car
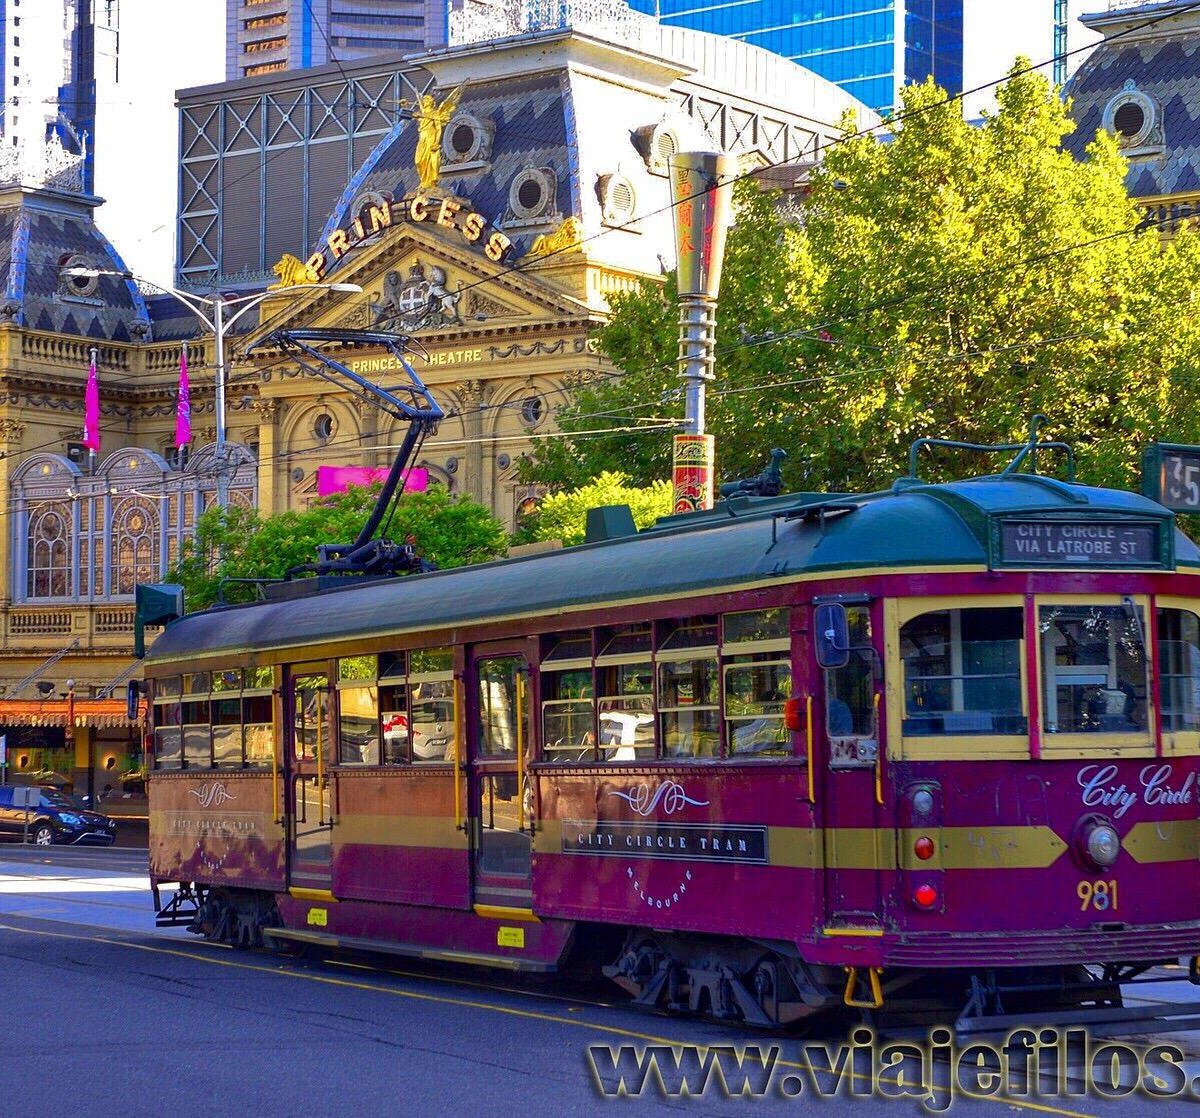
54,817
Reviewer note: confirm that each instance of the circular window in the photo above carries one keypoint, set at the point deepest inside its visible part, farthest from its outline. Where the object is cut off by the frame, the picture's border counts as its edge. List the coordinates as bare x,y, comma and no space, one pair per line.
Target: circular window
323,428
529,194
532,411
1129,119
462,139
79,285
1134,118
532,193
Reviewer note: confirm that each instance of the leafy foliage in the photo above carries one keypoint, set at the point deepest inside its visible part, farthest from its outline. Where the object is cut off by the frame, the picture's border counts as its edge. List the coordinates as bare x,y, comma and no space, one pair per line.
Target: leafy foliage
239,543
563,516
947,280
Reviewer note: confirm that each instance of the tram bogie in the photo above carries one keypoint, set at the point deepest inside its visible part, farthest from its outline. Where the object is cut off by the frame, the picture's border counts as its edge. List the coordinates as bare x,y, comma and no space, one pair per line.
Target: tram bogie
804,754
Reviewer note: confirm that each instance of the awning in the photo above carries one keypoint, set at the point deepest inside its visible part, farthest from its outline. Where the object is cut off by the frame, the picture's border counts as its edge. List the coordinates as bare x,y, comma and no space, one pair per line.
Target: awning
100,714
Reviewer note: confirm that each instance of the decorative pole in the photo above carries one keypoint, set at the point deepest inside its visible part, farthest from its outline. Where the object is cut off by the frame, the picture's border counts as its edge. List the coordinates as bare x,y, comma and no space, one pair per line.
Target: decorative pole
701,192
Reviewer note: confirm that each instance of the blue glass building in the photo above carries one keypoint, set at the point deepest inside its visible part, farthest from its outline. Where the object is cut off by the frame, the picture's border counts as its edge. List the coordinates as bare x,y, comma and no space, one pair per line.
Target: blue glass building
868,47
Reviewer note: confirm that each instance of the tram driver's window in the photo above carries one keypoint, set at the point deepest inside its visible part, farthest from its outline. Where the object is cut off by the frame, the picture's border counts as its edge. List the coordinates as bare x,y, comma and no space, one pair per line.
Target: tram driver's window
1179,668
1094,668
850,689
962,672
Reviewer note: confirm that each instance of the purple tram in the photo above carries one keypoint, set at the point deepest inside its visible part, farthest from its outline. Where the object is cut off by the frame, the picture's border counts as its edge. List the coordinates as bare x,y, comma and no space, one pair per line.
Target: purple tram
794,754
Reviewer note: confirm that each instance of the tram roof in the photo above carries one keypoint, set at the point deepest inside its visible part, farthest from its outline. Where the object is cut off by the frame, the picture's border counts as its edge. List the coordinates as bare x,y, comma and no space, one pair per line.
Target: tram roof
745,541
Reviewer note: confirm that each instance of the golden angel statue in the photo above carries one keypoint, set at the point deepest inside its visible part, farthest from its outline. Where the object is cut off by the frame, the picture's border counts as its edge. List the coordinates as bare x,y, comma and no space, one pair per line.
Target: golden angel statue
432,119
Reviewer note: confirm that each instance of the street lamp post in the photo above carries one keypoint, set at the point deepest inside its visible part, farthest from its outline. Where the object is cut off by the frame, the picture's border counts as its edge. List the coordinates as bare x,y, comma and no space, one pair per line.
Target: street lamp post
212,310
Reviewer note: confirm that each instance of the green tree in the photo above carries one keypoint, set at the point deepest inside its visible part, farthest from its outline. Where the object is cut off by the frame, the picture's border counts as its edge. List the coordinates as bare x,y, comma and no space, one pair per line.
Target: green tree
563,516
239,543
949,280
766,289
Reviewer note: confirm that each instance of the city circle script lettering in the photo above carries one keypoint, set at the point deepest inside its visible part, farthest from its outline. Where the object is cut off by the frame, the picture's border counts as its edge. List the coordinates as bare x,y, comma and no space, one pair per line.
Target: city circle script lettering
1101,788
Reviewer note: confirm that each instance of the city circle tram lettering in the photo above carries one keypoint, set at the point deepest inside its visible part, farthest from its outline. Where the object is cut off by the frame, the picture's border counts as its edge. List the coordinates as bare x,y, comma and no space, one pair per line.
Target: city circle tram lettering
685,842
227,825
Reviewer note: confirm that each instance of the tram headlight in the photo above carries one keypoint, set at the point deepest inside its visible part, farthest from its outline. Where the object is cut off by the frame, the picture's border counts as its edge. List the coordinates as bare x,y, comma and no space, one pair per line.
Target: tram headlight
1103,845
1097,841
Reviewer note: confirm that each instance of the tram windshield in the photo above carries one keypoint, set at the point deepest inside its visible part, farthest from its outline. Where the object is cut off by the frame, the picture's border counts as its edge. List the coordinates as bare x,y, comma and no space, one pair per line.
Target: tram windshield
1094,668
962,672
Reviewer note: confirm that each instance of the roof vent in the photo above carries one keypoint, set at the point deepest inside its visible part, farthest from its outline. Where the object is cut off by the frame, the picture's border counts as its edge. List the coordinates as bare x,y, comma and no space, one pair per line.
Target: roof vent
609,522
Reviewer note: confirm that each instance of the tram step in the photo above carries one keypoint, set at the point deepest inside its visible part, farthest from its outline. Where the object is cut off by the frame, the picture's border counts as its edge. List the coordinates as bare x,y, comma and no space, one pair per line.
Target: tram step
1100,1021
410,950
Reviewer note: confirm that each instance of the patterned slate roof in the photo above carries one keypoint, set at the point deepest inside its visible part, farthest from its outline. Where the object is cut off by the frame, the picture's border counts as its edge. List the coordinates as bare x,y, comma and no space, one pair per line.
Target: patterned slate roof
40,231
1165,69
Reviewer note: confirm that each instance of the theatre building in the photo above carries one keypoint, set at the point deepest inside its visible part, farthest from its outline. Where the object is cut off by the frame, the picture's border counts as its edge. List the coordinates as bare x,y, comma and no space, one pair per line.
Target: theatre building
487,198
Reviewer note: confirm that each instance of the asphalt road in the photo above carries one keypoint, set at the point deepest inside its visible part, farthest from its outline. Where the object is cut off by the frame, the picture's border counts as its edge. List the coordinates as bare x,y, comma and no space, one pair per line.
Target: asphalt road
108,1015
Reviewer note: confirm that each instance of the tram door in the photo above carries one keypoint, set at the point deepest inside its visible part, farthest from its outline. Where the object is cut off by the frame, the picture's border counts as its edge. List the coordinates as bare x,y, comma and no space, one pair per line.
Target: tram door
499,798
859,841
307,802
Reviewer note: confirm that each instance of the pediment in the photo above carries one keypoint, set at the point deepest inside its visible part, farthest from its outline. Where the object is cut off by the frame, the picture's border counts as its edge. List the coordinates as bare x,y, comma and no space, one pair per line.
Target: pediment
418,283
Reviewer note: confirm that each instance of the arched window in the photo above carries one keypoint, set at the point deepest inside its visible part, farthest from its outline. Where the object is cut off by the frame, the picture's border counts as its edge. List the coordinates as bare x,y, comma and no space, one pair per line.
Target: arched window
134,544
49,569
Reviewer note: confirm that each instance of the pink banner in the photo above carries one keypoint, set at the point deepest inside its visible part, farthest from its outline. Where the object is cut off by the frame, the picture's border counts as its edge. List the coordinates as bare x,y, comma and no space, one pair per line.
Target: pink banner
337,479
91,409
183,407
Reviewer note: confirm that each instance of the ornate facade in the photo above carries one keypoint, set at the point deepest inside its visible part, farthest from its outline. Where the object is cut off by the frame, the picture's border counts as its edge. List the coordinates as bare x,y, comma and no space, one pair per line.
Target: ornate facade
492,222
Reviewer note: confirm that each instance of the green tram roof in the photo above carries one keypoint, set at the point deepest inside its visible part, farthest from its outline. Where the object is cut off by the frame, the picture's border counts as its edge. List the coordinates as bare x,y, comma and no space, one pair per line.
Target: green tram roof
741,542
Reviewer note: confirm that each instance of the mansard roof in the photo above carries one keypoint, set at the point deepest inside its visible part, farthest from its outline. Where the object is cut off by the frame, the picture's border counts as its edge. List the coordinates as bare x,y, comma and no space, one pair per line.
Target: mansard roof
1151,60
44,231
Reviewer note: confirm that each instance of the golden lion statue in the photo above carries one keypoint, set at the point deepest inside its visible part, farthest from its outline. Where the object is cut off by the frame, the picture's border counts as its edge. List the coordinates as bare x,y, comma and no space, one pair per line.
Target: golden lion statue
292,272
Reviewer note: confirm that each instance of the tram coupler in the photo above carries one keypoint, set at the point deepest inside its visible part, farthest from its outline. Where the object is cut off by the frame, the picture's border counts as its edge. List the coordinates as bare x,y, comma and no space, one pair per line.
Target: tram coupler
850,997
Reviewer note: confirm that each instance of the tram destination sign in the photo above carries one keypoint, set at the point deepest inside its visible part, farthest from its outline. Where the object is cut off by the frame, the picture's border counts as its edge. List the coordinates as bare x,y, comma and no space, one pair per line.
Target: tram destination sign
1171,476
1079,543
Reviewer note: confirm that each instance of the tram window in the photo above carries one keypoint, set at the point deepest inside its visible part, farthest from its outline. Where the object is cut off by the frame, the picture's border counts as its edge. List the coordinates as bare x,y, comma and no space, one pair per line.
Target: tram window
358,725
687,708
227,730
756,687
259,678
432,720
311,717
1094,667
393,722
1179,668
568,715
358,668
962,672
168,728
625,712
225,681
197,683
756,625
259,728
850,689
500,710
197,733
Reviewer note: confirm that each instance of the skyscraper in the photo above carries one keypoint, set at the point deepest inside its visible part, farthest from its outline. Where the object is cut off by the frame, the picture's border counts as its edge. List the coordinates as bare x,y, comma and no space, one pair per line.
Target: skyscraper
268,36
868,47
872,47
